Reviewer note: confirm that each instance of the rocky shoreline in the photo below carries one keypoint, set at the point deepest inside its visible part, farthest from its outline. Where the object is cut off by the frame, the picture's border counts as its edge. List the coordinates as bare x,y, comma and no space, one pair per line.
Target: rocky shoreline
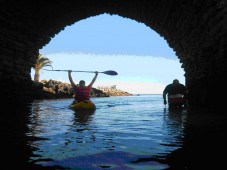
53,89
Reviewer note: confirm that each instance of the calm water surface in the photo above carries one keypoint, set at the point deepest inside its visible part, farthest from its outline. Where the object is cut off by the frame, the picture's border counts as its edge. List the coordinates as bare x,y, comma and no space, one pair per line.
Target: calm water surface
133,132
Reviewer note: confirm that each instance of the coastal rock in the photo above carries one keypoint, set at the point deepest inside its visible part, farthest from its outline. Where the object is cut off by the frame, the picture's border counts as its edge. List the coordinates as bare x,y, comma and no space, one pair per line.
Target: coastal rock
53,89
113,91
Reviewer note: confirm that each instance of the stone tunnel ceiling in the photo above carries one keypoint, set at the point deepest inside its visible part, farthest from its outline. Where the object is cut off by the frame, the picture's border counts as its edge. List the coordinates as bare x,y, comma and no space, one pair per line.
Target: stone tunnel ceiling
195,29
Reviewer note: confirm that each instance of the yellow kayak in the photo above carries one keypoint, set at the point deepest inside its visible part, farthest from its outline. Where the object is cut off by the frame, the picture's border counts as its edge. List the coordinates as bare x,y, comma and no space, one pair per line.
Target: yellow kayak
84,105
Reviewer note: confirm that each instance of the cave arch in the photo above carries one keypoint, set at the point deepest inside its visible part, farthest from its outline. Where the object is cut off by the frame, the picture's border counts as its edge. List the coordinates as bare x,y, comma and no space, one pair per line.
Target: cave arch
196,30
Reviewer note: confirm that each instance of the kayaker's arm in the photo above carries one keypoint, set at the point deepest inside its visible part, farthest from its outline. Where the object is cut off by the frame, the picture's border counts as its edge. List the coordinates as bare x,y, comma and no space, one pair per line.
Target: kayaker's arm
94,79
70,78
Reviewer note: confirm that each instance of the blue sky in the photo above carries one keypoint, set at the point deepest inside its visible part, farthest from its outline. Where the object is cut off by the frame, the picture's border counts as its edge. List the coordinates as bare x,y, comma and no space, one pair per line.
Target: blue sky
144,61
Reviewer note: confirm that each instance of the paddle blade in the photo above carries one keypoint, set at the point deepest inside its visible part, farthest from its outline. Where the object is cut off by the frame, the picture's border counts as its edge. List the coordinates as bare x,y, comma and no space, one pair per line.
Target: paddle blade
110,72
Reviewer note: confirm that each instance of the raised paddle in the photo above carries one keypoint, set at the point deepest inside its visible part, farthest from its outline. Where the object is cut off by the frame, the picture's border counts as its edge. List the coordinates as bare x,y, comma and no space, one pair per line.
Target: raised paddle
109,72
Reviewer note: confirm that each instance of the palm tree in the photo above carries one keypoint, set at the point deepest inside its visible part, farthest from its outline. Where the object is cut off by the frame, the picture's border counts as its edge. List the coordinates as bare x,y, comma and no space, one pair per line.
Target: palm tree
40,63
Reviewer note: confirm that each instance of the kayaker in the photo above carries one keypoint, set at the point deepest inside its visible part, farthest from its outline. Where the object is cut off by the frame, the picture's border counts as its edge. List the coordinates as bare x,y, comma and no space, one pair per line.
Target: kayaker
177,94
81,91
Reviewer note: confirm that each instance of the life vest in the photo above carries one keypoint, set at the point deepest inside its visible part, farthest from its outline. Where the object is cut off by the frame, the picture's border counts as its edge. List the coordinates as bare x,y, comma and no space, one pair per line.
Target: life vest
82,94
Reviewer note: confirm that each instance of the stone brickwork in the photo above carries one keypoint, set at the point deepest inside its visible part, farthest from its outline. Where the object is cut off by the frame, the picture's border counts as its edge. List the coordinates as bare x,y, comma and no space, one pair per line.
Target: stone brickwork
195,29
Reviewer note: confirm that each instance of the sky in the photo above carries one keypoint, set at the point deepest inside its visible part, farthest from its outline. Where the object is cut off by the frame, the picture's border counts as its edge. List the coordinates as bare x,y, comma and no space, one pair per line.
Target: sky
142,58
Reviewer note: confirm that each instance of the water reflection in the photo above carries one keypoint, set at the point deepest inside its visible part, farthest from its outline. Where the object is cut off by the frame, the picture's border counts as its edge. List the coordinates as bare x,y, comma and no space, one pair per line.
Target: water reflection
80,131
175,119
49,134
83,116
14,139
173,127
203,142
127,130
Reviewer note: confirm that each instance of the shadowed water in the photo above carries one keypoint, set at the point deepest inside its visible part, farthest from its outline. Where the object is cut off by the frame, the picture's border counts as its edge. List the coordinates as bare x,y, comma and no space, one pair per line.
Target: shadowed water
133,132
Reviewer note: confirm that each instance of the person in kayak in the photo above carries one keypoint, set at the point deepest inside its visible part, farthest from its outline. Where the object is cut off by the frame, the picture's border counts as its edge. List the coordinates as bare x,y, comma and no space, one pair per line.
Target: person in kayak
177,94
81,91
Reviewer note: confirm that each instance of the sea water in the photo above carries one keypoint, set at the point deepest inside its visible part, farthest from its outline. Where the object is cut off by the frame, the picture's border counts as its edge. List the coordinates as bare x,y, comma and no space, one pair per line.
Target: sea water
124,132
